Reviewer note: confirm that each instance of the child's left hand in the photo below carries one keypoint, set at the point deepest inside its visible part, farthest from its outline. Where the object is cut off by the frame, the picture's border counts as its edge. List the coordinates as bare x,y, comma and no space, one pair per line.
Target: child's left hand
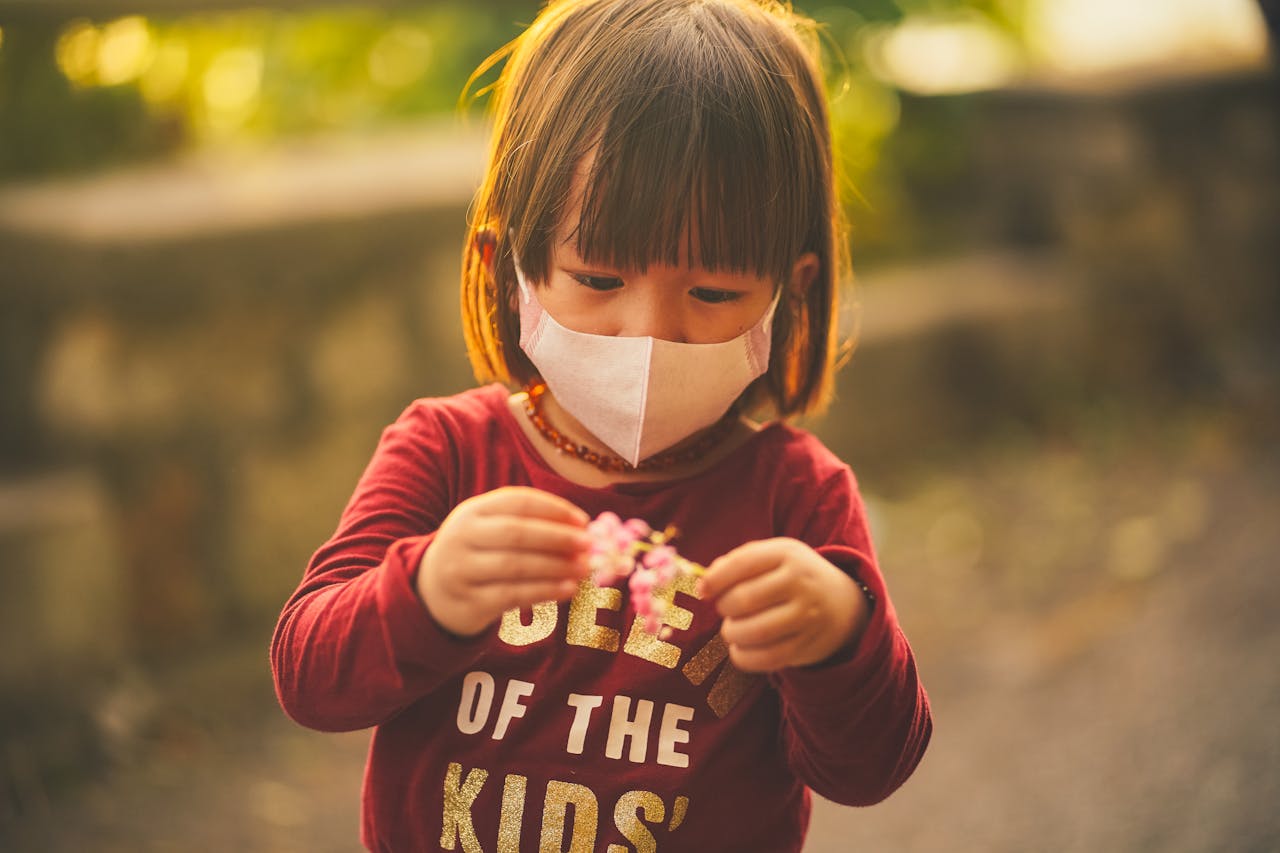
783,604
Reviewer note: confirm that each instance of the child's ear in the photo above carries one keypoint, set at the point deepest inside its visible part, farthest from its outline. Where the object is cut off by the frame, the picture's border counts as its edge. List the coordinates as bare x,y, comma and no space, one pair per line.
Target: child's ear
486,241
803,273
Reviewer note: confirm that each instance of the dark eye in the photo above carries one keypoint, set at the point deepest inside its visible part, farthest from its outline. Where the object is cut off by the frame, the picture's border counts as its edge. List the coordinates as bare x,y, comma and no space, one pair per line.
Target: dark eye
713,296
598,282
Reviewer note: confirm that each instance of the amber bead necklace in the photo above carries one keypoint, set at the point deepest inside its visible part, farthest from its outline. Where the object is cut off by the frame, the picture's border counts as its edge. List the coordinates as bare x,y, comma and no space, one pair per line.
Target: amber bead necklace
616,464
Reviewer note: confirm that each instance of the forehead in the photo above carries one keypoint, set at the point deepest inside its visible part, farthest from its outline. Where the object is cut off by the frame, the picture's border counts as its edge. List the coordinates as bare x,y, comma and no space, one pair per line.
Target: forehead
626,216
691,142
567,236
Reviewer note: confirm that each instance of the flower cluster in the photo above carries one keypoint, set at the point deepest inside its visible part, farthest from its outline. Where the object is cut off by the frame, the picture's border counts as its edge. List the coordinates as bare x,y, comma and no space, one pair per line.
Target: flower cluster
633,549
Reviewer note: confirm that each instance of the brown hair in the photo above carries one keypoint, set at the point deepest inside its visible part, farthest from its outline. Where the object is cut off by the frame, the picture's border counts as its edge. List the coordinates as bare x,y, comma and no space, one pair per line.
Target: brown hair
700,114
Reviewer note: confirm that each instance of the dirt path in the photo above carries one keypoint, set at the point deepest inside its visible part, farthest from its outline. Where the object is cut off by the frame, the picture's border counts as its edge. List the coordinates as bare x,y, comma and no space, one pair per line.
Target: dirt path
1139,716
1097,630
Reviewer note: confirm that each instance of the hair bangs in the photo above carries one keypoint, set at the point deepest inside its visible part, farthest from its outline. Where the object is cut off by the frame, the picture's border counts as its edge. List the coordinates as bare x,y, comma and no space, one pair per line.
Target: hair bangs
663,132
694,164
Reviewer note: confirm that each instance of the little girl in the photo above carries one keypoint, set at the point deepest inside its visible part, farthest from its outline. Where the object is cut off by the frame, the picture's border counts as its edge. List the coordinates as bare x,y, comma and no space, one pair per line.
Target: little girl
653,256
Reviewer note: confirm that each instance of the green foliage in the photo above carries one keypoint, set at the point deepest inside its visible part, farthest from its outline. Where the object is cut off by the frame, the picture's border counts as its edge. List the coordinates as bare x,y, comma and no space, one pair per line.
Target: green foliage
88,94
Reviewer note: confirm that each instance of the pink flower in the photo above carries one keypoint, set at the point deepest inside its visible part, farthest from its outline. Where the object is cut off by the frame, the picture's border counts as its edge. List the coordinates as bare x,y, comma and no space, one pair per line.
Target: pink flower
603,529
653,618
639,527
642,582
603,568
611,547
632,549
629,533
662,560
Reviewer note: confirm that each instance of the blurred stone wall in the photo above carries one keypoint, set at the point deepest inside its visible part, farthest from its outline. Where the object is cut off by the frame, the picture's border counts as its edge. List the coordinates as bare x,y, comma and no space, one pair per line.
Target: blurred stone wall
218,391
1141,223
196,359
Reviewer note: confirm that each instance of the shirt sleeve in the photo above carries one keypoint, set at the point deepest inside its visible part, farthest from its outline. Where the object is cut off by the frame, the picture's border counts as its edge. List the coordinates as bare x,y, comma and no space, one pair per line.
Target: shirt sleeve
856,726
354,645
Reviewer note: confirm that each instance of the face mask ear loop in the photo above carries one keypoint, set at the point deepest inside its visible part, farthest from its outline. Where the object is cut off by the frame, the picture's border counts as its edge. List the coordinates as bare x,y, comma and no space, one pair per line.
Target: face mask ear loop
525,290
766,326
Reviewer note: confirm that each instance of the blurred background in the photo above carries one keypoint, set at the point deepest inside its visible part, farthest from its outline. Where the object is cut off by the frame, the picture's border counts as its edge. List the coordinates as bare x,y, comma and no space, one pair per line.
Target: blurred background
229,242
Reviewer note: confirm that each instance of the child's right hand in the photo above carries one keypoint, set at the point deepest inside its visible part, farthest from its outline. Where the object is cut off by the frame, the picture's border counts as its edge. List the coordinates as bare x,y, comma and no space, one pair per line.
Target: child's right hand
512,547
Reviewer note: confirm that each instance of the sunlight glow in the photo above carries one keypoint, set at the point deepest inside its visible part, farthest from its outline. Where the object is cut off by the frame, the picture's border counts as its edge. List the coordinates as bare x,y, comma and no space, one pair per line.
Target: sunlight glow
165,77
125,49
935,55
76,53
400,57
1092,36
231,87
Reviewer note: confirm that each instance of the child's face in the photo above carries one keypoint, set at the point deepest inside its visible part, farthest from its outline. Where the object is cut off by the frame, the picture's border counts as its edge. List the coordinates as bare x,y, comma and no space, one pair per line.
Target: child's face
683,303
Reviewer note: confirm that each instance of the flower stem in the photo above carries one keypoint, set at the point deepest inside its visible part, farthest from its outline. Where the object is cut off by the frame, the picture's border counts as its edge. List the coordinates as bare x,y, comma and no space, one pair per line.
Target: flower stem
687,566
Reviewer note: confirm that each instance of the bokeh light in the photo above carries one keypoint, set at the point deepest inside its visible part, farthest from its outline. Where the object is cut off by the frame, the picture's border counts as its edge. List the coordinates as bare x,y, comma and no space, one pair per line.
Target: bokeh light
125,49
400,57
254,74
77,52
231,86
1095,36
933,55
165,77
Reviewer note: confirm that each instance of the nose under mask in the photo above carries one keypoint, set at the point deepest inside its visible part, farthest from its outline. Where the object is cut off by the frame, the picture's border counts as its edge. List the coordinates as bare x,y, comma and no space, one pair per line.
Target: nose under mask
640,395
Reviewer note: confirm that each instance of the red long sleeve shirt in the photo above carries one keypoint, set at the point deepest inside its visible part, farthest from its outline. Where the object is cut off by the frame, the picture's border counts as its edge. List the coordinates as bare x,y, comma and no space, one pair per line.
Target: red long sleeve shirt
569,727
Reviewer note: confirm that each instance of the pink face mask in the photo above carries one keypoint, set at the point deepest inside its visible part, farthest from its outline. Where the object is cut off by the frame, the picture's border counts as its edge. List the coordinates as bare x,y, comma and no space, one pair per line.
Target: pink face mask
640,395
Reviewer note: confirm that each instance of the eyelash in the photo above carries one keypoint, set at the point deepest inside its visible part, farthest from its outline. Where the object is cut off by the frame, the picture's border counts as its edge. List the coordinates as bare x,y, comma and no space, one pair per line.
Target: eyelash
605,284
715,297
600,283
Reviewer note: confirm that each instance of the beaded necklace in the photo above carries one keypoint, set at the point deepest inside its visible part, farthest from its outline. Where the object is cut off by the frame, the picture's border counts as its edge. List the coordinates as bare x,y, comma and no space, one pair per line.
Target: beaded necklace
615,464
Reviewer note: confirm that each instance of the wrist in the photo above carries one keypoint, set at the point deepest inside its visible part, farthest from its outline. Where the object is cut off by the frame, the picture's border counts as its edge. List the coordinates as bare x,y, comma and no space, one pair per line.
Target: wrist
449,619
864,603
861,605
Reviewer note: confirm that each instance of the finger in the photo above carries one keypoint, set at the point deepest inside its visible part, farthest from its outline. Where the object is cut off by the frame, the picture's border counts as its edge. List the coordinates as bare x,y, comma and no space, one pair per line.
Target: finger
503,597
787,651
767,658
515,567
506,533
755,594
530,503
739,564
768,627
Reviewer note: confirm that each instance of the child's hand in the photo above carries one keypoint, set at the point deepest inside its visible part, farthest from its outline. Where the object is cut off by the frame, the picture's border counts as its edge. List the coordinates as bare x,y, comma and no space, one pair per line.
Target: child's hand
512,547
783,604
